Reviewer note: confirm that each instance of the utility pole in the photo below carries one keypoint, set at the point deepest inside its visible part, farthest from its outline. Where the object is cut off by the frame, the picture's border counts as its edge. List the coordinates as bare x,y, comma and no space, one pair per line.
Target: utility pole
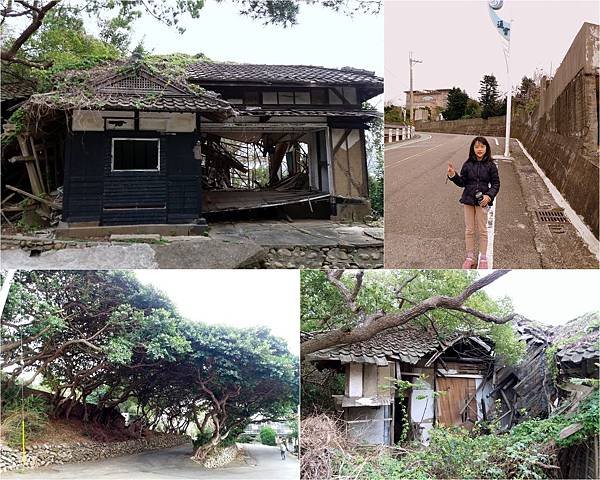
411,110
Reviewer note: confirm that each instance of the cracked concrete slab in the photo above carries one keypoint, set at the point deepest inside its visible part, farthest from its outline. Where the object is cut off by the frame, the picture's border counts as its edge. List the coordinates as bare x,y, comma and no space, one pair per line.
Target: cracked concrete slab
209,254
136,256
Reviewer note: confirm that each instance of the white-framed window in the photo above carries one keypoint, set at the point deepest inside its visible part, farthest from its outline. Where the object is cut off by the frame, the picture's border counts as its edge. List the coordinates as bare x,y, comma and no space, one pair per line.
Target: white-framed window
135,155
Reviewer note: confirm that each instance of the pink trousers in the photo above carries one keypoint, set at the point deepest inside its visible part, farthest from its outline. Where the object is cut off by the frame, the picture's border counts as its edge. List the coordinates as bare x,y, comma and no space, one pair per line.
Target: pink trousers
476,219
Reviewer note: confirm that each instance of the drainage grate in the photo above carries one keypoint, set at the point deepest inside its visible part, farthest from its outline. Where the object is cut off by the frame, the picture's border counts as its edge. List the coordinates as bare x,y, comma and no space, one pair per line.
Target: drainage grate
557,228
551,216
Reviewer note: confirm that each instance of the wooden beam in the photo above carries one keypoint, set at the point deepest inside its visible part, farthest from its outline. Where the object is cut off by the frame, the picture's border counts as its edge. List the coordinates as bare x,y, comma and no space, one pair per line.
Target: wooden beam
341,141
36,185
20,158
35,197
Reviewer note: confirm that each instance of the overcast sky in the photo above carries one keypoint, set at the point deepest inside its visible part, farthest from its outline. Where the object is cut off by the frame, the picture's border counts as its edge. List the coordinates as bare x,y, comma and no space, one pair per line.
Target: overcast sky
322,37
458,44
550,296
239,298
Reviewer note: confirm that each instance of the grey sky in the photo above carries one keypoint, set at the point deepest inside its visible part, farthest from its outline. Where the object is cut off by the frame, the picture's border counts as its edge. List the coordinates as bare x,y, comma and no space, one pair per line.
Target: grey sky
550,296
238,298
458,44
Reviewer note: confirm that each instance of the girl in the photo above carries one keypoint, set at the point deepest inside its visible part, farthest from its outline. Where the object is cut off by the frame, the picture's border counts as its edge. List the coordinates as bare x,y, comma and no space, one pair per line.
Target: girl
481,183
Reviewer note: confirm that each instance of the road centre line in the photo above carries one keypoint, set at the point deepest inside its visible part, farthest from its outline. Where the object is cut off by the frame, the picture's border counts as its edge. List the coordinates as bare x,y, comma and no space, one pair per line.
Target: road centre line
412,156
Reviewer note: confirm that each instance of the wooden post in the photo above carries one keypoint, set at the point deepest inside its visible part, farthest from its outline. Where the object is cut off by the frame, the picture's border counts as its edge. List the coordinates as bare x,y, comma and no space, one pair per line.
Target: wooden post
36,185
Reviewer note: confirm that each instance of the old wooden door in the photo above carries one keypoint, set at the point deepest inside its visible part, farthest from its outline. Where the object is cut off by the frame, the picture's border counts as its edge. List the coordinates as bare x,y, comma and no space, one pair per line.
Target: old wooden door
452,407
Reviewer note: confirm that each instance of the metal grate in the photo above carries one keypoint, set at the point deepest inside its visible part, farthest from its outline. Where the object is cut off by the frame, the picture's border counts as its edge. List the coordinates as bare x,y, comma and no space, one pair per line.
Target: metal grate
551,216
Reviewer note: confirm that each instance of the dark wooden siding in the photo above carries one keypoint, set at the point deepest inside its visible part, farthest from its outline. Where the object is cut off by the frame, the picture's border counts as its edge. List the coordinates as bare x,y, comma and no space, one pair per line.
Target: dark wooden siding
93,192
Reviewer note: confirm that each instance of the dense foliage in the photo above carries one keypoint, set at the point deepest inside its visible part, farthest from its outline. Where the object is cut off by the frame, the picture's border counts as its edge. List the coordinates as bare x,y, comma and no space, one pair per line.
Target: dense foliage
268,436
374,148
105,338
323,308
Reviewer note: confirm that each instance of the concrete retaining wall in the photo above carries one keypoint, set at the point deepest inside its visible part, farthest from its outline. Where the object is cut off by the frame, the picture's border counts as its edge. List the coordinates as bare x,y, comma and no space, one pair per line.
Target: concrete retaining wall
41,455
492,127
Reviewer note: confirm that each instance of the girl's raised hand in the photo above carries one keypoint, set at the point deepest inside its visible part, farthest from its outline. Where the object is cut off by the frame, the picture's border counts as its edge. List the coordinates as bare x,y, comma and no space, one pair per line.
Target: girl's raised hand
451,171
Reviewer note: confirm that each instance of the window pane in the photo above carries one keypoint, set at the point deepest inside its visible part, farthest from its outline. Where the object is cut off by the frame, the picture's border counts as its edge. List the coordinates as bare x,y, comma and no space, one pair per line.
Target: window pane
319,96
286,98
135,155
251,98
270,98
302,98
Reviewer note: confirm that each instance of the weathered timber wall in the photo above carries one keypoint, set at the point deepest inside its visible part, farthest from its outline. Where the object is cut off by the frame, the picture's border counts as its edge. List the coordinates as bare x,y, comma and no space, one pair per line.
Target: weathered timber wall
95,193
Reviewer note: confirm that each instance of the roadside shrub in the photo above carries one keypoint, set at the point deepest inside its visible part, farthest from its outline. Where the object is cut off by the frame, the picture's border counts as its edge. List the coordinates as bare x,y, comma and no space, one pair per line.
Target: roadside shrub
268,436
36,422
244,438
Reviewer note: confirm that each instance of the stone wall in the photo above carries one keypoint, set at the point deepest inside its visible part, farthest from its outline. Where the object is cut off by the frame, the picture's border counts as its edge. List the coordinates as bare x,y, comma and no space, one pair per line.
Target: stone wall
222,457
41,455
325,257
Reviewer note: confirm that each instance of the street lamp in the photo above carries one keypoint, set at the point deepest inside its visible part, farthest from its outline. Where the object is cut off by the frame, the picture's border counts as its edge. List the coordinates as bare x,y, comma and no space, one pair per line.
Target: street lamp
503,28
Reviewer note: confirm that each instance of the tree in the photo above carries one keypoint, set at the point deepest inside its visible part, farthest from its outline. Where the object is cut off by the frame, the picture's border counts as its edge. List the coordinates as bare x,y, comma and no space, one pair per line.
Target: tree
350,310
489,97
116,28
104,337
268,436
472,109
393,114
457,103
374,149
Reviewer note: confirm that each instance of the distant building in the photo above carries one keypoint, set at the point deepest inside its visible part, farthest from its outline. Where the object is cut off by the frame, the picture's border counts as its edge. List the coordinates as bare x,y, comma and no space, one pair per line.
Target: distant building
428,104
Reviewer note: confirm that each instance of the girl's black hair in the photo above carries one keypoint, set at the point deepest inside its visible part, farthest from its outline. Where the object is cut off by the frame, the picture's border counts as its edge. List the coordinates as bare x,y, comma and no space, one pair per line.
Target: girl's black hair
488,151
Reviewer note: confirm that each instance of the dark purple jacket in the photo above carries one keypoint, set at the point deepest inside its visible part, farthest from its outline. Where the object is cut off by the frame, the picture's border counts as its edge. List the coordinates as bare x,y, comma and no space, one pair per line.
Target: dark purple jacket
477,176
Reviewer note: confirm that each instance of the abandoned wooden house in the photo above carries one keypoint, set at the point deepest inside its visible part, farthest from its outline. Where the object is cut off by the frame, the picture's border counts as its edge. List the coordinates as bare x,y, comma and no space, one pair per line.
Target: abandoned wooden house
377,412
141,145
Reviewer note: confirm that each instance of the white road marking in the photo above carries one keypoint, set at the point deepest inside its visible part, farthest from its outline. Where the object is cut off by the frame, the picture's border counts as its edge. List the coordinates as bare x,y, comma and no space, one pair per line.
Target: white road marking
496,140
582,229
410,142
411,156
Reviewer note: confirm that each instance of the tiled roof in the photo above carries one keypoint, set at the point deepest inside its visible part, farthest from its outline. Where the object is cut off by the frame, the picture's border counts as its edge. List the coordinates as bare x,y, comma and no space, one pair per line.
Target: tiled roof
406,343
15,91
311,113
167,103
130,85
296,74
581,341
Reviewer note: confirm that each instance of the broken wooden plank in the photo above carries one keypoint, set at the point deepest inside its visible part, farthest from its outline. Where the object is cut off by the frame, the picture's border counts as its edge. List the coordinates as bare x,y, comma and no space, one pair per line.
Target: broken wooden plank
35,197
21,158
7,198
570,430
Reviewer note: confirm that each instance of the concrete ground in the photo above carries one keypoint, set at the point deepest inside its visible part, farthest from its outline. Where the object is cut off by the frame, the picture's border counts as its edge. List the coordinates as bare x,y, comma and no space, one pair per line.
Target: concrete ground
228,245
424,225
262,463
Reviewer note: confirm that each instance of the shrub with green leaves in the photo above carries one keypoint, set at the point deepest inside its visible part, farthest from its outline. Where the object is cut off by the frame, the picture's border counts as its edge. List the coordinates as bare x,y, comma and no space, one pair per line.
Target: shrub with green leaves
268,436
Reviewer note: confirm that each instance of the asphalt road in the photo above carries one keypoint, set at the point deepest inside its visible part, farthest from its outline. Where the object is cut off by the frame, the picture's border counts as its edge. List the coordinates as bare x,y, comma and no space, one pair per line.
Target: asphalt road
424,225
264,463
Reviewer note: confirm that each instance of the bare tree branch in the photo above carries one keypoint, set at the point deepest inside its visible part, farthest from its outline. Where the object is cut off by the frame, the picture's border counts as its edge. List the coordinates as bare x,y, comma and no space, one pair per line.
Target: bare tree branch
384,322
